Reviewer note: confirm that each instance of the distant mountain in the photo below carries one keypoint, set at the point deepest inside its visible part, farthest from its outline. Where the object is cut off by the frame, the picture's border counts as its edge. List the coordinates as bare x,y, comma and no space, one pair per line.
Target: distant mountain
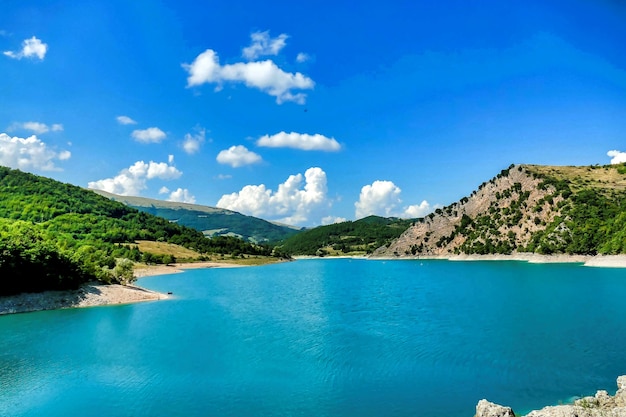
211,221
346,238
528,208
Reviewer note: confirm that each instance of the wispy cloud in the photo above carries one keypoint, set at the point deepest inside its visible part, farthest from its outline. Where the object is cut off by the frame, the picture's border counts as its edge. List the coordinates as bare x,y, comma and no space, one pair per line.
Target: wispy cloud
300,141
36,127
193,142
238,156
31,48
29,154
149,135
262,75
132,180
125,120
302,57
297,199
263,45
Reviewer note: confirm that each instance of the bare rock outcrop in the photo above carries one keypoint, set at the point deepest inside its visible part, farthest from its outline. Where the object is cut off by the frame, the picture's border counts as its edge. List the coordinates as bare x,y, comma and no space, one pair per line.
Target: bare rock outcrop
601,404
506,210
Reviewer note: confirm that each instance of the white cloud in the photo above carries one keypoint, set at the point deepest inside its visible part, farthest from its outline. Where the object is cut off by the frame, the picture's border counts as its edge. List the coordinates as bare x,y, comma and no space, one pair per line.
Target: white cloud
125,120
292,203
149,135
29,154
417,210
617,157
131,180
223,176
263,45
263,75
300,141
382,198
31,48
192,142
332,220
182,196
238,156
36,127
302,57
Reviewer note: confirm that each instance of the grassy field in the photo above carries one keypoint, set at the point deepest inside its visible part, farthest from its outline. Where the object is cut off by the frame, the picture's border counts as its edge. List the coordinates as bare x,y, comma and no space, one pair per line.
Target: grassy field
605,178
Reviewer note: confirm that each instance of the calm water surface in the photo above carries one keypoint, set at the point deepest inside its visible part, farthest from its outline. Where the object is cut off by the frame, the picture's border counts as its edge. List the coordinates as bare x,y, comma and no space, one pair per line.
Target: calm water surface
325,338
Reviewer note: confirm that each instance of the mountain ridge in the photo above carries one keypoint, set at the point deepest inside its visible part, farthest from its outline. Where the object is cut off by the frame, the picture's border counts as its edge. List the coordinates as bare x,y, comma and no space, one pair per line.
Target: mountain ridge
211,221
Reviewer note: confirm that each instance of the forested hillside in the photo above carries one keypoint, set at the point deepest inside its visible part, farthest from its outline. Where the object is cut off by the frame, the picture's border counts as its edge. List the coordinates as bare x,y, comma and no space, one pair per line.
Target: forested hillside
352,237
56,236
211,221
528,208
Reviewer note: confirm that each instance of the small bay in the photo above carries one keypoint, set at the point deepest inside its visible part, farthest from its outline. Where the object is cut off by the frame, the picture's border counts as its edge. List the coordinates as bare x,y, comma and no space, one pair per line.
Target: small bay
333,337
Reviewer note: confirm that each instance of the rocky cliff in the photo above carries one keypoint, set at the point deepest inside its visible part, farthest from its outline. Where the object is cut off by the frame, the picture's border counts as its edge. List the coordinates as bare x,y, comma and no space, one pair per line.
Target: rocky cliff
526,208
602,404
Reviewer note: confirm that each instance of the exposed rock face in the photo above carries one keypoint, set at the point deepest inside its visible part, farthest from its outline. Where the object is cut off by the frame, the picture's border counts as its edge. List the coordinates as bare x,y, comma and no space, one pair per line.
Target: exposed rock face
489,409
602,404
503,211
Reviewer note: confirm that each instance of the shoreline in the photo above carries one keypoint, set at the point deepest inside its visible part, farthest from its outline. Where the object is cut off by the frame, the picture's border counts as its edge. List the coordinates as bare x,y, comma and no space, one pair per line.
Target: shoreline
598,261
96,294
88,295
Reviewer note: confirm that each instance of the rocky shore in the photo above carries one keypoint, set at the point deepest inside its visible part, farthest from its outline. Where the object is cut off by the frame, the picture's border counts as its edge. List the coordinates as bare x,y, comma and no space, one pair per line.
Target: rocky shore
601,404
88,295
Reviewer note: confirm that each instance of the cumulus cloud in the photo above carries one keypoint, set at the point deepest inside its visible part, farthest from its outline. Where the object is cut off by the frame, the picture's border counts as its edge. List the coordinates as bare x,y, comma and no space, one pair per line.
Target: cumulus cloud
382,198
182,196
31,48
125,120
263,45
192,142
295,201
132,180
238,156
300,141
149,135
262,75
617,157
36,127
29,154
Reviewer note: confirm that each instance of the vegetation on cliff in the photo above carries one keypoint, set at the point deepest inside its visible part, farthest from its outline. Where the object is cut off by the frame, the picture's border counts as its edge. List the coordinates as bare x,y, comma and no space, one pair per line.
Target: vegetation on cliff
528,208
57,236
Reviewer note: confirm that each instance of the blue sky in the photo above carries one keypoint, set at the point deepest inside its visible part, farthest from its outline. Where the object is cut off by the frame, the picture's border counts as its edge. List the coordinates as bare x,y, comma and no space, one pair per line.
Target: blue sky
308,112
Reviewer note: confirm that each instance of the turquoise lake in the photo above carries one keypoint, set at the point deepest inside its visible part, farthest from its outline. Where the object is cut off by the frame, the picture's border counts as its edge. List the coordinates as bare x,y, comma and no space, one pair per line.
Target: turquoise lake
334,337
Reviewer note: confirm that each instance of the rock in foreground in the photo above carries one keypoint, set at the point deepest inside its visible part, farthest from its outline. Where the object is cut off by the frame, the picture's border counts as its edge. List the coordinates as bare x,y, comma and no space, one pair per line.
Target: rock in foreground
602,404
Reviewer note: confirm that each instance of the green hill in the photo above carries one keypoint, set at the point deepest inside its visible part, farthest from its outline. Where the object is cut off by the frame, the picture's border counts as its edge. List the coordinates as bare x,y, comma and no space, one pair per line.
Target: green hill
57,236
211,221
347,238
528,208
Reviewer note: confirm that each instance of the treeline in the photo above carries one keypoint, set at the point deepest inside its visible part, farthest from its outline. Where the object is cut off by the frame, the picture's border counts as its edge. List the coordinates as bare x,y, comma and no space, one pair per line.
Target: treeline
361,236
56,236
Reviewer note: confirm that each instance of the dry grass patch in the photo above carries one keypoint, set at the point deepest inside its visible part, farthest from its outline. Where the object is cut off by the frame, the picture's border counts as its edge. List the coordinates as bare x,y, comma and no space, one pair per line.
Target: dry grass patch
604,178
164,248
